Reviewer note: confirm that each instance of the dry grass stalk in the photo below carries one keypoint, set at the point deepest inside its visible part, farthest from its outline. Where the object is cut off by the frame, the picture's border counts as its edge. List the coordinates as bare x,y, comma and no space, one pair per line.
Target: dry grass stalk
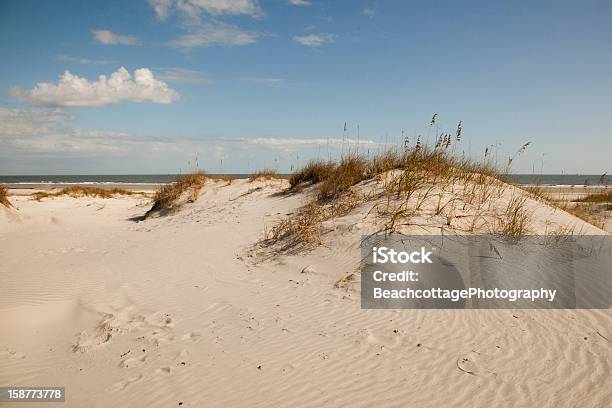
4,196
515,221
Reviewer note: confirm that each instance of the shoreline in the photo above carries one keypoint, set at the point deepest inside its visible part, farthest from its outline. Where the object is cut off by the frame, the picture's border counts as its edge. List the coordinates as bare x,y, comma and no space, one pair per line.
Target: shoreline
45,186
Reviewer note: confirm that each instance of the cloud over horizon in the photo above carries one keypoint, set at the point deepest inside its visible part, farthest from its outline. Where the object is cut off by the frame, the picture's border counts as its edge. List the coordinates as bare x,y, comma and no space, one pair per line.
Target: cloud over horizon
74,91
45,135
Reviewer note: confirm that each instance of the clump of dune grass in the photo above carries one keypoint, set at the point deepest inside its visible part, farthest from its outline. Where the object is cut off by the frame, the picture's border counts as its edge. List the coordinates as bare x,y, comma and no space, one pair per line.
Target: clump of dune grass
350,171
516,218
594,212
83,191
305,228
389,160
167,196
228,179
4,196
265,174
314,172
602,197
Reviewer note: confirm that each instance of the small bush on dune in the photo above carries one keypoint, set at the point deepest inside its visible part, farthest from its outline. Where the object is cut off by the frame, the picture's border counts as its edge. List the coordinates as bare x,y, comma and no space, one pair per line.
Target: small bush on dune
167,195
4,197
314,172
265,174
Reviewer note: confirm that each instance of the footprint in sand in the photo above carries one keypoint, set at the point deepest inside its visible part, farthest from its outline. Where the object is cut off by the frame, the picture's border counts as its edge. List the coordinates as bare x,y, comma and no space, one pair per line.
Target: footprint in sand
123,320
390,341
13,355
132,362
164,370
192,336
122,385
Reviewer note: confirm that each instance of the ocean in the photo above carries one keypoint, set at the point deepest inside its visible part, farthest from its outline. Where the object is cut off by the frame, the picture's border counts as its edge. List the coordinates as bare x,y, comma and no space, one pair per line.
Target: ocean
154,179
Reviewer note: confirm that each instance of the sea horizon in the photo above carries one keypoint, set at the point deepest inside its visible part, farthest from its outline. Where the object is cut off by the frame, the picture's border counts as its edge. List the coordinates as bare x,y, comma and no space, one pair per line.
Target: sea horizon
154,179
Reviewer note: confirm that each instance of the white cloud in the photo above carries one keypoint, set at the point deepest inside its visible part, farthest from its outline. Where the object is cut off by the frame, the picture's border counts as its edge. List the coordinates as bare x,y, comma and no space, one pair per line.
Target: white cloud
210,34
72,90
161,8
200,19
368,12
194,9
182,75
29,132
82,61
314,40
300,2
287,142
109,38
45,141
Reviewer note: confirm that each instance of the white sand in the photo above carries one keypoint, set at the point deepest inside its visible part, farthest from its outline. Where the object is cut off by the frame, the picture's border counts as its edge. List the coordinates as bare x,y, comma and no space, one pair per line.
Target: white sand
180,309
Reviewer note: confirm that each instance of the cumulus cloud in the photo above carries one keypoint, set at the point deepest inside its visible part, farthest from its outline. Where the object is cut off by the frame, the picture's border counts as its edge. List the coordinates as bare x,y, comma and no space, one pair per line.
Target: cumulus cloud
210,34
109,38
72,90
194,9
314,40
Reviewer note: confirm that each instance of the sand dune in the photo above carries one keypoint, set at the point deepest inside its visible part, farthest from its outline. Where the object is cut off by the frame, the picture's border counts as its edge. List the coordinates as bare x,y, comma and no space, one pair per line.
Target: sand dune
184,310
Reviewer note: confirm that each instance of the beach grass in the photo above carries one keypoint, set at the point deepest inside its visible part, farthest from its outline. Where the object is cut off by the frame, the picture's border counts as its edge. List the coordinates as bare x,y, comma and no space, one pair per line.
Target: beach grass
264,174
420,180
601,197
4,196
167,196
313,172
83,191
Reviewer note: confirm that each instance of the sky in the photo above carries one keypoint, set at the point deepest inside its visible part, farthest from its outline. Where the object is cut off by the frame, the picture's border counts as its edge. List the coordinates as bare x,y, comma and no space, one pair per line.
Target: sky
232,86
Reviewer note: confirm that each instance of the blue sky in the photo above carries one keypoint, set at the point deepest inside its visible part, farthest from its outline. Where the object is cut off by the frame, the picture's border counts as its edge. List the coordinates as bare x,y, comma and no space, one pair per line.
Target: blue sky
246,84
